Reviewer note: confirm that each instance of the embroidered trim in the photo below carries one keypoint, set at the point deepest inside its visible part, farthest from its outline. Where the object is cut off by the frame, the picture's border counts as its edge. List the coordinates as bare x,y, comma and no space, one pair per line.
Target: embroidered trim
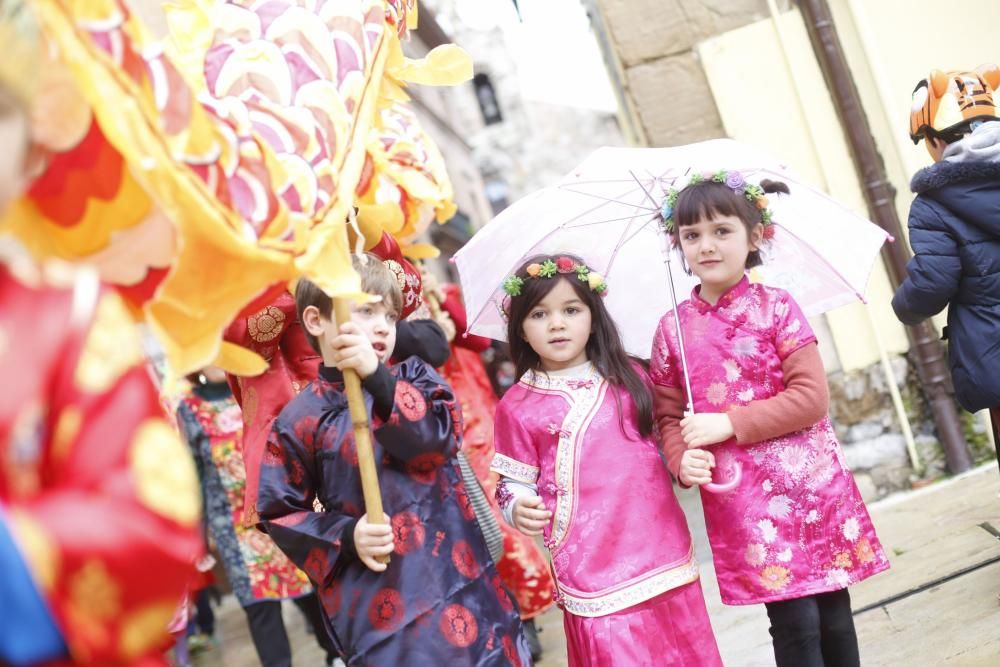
632,594
514,469
555,382
584,404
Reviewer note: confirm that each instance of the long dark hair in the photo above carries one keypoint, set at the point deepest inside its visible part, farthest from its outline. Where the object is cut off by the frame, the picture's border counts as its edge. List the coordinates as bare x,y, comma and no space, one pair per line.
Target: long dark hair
700,201
604,347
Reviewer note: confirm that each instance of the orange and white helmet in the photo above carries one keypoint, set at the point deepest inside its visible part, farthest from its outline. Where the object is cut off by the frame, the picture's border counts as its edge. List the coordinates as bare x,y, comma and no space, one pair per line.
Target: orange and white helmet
946,103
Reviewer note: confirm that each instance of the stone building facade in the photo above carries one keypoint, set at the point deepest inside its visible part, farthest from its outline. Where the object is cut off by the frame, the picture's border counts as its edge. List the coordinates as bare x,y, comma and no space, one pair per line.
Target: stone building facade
650,47
528,144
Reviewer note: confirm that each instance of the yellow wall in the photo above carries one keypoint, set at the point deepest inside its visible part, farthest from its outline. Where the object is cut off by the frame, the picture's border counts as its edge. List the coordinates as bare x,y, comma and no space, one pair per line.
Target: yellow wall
770,92
758,90
892,44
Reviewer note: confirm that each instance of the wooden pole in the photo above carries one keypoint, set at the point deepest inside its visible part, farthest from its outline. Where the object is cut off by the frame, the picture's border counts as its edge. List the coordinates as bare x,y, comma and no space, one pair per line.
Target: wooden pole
362,431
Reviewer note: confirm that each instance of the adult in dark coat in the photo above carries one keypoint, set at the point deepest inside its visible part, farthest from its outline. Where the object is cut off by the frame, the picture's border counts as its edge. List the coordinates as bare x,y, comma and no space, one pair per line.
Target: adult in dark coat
955,234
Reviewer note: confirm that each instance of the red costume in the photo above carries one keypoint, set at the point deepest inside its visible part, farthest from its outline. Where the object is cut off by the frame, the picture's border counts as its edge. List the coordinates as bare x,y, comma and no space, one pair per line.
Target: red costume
523,569
99,494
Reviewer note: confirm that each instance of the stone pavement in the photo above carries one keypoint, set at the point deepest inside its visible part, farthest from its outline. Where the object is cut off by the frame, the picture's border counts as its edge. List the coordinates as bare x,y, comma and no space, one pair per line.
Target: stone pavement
939,604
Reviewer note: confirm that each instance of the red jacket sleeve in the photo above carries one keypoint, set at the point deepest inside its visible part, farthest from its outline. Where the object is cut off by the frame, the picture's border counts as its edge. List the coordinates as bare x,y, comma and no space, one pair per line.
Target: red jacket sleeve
453,306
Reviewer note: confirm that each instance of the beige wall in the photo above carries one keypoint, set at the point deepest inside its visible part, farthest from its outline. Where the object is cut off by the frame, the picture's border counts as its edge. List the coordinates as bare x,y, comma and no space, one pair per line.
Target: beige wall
696,70
782,105
895,43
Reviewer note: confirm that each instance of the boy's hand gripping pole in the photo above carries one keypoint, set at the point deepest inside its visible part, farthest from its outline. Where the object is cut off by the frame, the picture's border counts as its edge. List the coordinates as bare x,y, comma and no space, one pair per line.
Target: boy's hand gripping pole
362,432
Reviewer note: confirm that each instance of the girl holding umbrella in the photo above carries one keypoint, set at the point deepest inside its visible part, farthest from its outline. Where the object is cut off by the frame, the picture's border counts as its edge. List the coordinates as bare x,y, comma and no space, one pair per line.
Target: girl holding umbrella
792,531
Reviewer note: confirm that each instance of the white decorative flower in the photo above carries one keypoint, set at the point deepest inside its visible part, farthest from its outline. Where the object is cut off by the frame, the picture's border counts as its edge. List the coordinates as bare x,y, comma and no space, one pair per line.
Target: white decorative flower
851,529
812,517
838,576
744,347
781,309
767,530
779,507
767,486
793,459
716,393
820,470
786,555
755,554
746,395
732,370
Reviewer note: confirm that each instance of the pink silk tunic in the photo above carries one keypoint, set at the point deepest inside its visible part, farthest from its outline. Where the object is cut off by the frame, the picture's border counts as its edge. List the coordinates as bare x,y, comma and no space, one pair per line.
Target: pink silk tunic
618,536
795,525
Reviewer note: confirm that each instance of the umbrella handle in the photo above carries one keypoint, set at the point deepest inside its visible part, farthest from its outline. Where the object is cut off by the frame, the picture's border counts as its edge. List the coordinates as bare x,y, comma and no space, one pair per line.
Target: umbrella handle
362,432
729,484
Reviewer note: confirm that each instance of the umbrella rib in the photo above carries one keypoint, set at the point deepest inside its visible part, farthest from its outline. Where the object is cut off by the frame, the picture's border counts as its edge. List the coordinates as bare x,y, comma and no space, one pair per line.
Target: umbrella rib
600,222
644,225
609,200
622,240
822,259
644,190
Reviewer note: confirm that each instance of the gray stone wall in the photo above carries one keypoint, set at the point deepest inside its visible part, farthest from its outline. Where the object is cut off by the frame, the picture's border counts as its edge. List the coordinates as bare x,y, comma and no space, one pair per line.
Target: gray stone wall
869,432
862,413
664,84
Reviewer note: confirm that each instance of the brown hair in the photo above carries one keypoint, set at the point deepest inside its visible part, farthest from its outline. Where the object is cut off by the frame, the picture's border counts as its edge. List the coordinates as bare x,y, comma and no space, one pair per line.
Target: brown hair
604,347
703,200
376,279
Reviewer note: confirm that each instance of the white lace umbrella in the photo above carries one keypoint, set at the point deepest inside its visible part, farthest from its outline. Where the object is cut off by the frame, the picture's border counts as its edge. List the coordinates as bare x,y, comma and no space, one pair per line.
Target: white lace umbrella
607,211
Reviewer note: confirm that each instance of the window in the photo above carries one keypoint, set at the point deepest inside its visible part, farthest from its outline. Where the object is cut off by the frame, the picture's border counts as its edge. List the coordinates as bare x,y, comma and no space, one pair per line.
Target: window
487,98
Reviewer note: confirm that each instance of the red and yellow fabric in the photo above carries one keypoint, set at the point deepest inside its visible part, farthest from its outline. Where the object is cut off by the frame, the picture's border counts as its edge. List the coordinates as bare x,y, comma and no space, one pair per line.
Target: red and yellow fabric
257,569
523,568
254,163
101,495
404,185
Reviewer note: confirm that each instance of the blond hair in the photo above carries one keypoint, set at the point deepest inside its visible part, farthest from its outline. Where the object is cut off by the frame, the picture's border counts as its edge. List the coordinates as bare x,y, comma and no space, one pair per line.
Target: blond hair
376,279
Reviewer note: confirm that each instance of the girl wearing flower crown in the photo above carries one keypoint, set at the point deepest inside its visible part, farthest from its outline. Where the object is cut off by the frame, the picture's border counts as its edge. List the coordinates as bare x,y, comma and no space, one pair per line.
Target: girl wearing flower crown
578,462
790,531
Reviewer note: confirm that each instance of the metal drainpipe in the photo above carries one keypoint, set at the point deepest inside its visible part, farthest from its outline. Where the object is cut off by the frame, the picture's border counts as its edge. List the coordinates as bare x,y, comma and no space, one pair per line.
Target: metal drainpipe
879,194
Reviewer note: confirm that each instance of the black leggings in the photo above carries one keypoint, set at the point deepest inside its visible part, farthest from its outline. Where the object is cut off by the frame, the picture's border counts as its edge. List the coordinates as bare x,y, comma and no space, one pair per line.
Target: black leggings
814,631
267,630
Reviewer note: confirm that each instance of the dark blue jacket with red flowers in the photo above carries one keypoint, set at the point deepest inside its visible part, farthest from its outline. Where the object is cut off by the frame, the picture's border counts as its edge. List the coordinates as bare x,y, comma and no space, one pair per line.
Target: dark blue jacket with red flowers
955,235
440,602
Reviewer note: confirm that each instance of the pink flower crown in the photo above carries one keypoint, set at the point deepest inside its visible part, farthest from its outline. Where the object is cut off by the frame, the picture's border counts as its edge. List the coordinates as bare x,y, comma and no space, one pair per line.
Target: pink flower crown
549,268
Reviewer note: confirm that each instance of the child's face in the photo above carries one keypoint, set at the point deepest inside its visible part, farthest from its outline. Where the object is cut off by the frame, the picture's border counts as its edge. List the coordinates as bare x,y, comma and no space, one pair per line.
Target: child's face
558,328
14,135
716,249
378,323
